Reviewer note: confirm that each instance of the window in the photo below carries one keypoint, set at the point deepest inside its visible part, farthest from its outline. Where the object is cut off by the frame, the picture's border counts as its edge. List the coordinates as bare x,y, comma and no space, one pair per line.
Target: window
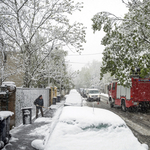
109,87
114,85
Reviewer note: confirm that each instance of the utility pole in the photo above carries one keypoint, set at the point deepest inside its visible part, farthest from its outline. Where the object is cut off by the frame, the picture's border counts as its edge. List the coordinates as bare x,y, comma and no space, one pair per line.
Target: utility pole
49,62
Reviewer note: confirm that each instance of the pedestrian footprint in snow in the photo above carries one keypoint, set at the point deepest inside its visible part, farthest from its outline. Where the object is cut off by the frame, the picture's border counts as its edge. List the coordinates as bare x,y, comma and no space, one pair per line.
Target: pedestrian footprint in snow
39,105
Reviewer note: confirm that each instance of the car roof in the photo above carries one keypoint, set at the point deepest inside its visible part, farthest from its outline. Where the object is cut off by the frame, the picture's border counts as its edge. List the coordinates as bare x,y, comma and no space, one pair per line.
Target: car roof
93,89
76,130
91,115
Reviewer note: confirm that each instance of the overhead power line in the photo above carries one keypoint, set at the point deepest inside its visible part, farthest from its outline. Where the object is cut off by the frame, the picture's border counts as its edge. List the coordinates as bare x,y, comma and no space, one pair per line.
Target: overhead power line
77,62
84,54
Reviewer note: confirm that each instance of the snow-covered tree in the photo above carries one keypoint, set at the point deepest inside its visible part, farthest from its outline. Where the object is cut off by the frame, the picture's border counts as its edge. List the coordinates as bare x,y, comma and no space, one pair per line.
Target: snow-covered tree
53,70
29,27
89,76
127,41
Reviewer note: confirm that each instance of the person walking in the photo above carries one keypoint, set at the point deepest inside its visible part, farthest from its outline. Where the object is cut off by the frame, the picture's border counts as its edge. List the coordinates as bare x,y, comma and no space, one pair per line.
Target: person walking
39,105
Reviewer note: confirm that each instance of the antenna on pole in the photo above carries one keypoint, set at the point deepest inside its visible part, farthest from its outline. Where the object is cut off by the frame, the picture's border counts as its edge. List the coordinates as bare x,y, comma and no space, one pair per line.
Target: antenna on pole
93,107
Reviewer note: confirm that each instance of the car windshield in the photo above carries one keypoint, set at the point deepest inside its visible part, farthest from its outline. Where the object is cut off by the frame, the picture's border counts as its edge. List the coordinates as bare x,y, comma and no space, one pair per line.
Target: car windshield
93,91
94,127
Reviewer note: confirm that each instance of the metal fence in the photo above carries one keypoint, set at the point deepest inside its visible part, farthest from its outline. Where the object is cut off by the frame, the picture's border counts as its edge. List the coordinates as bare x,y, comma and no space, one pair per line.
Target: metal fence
25,98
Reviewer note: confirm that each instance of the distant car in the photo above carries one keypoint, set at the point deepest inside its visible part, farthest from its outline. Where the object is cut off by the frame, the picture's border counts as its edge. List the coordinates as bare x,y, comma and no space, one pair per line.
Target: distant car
85,128
93,95
81,91
85,93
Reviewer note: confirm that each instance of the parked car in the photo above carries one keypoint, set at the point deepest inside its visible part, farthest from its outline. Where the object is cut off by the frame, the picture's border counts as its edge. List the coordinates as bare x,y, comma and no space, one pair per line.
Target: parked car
86,128
73,99
85,93
93,95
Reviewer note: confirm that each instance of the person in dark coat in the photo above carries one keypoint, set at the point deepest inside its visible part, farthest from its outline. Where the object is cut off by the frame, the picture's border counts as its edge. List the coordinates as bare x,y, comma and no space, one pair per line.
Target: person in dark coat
39,104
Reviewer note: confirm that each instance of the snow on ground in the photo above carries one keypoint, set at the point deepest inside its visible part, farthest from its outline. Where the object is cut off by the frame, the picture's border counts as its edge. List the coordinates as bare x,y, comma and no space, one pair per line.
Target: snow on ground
43,119
41,130
80,128
13,139
48,128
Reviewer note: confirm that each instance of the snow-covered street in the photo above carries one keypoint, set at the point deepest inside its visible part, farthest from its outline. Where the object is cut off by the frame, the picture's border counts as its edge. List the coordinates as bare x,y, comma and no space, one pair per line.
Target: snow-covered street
75,75
24,135
40,133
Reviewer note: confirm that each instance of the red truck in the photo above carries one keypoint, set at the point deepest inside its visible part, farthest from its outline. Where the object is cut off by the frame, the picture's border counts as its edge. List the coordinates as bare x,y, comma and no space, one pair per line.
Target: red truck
133,98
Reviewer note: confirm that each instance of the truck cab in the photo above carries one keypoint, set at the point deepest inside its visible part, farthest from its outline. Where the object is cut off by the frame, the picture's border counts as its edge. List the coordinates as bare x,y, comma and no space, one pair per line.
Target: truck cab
134,97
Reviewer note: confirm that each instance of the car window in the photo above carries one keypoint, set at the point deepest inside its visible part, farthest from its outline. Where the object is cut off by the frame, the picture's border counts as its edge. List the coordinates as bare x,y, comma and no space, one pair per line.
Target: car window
93,127
96,127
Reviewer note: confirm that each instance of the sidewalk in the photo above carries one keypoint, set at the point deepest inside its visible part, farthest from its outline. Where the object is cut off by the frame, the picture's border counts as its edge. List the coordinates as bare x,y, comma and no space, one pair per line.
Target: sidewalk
23,135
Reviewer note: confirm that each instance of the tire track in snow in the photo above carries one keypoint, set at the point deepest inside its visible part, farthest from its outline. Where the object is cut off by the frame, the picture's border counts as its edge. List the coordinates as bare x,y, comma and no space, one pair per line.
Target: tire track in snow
140,129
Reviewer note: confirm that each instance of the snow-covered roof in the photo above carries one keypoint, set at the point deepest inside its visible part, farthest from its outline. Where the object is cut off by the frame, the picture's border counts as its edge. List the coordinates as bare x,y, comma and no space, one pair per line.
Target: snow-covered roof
5,114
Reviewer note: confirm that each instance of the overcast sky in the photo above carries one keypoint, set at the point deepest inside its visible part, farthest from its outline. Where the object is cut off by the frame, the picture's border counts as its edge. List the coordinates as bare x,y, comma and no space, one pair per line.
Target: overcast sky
92,48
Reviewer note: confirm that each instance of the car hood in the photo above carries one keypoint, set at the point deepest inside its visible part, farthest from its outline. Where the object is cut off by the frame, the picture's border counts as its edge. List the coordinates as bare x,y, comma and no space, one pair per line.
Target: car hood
94,94
81,128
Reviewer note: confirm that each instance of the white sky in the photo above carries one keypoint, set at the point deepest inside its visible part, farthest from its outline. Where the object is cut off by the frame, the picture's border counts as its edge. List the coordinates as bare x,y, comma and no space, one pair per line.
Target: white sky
92,48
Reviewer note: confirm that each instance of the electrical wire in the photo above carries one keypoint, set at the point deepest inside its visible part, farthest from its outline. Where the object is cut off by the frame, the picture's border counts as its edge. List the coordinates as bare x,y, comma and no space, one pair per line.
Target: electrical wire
84,54
77,62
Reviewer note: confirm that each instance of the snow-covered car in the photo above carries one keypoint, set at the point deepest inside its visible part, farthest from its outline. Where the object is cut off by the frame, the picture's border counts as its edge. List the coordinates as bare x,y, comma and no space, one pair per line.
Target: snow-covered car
93,95
85,128
73,99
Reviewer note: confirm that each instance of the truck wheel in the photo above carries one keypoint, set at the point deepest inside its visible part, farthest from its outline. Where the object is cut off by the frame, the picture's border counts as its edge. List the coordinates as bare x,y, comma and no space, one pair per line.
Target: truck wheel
111,104
123,106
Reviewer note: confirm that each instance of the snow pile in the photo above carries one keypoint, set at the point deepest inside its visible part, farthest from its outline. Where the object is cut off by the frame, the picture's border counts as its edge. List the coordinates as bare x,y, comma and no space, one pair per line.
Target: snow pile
42,130
73,99
38,144
5,114
13,139
106,95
